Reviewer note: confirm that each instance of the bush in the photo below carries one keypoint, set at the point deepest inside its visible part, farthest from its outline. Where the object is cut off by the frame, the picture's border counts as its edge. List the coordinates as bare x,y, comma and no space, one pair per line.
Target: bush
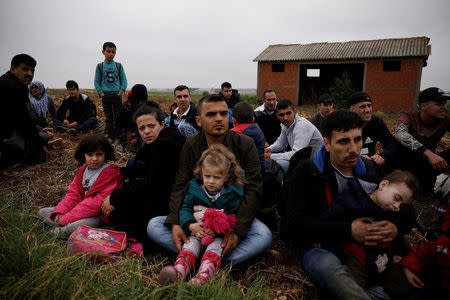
341,90
252,99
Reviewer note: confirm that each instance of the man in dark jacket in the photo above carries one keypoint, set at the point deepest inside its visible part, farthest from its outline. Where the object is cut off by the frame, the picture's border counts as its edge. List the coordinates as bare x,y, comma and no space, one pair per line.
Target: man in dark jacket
19,137
325,107
183,116
251,236
266,117
82,111
230,95
312,187
374,130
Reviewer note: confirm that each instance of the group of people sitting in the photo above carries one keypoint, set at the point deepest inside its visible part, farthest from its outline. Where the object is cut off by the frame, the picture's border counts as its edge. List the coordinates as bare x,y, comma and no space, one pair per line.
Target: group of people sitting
344,208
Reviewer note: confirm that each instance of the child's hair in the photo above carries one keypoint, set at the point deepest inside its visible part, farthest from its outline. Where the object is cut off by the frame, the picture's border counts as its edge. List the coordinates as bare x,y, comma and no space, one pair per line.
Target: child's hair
243,113
219,156
71,84
400,176
108,45
92,143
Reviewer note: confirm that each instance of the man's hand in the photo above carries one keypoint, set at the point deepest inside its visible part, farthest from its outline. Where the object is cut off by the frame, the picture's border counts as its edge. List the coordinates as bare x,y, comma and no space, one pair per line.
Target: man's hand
379,233
267,153
107,208
412,278
66,122
72,125
377,159
360,229
178,237
436,162
229,242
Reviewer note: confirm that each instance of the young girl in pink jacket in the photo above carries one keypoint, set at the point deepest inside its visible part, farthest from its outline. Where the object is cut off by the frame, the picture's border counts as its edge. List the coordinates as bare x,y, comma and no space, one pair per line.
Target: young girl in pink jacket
94,181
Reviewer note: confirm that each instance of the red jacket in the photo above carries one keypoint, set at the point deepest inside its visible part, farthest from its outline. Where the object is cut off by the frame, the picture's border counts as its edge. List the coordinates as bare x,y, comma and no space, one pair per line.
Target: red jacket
436,253
77,205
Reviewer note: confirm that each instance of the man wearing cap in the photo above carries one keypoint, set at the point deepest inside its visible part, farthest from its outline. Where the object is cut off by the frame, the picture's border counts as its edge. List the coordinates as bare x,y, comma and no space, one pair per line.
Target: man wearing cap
374,130
325,107
419,133
266,117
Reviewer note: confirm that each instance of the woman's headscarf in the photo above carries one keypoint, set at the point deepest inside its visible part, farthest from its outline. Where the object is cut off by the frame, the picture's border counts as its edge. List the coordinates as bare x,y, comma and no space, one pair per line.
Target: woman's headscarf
138,95
40,102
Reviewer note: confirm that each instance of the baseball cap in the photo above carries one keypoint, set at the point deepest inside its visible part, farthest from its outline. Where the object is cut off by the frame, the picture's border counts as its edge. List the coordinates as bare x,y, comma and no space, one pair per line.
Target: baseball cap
325,99
357,97
433,94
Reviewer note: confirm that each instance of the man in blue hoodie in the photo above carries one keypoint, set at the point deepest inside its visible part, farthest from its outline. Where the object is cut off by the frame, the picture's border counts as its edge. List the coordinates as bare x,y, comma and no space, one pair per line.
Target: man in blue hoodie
311,188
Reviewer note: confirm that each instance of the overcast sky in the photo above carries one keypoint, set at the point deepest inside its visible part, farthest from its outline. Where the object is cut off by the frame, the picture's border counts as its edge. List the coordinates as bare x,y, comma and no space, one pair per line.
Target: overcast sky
203,43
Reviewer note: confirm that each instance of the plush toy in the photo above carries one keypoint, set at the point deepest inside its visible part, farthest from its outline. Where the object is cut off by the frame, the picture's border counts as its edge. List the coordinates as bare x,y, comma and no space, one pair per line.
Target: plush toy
218,222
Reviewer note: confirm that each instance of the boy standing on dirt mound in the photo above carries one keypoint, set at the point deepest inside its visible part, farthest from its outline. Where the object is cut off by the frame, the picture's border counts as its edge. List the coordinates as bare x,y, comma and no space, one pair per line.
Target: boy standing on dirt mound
110,82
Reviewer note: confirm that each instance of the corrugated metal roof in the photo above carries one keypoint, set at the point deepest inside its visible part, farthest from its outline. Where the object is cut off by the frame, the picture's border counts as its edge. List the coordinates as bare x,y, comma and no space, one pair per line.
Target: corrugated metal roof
354,50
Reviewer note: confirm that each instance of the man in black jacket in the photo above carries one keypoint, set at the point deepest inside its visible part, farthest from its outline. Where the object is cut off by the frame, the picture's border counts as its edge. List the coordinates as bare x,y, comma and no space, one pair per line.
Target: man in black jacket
82,111
230,95
19,137
251,236
311,188
183,117
266,117
374,130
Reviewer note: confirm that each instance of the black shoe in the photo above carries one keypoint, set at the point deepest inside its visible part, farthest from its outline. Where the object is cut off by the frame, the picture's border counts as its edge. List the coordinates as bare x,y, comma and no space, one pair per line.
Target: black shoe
60,128
72,131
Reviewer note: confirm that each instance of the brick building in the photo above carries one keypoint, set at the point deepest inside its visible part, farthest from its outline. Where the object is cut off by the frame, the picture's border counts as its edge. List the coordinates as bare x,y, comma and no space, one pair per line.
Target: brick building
389,70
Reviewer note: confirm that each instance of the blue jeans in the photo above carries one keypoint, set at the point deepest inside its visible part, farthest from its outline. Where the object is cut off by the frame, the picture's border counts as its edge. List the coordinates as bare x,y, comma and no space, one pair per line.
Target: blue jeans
258,240
91,122
284,164
323,267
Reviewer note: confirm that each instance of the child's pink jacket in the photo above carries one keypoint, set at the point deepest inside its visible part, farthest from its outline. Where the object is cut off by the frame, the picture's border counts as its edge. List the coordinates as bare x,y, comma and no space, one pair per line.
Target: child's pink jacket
77,205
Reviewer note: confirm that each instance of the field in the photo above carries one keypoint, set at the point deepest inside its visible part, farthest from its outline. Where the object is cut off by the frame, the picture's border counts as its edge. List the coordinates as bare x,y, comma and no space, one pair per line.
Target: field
33,265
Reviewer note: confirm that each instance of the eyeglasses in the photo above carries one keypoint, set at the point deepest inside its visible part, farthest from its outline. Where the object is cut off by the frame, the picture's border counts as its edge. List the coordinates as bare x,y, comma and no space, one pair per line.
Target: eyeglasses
288,113
182,96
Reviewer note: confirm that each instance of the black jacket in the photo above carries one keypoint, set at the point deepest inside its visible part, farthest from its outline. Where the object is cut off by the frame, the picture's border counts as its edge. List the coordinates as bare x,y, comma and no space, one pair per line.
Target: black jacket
377,131
15,119
244,149
234,99
269,124
307,199
78,111
146,192
190,117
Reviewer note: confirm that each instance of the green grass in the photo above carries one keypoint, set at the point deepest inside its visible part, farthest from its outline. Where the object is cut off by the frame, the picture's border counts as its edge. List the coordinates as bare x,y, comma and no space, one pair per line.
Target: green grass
33,265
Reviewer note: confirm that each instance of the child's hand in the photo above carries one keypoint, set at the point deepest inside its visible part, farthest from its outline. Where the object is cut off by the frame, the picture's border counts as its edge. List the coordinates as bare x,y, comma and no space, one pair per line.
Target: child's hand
412,278
210,232
197,230
119,94
396,259
56,218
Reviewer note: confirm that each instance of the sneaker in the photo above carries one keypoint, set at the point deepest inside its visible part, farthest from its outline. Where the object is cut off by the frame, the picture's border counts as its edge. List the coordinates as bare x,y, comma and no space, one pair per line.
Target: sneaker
119,148
60,128
72,131
168,275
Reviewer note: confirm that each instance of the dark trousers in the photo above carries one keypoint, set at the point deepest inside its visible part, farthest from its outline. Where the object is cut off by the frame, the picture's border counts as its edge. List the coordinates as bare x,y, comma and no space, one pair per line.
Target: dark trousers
420,167
88,124
111,107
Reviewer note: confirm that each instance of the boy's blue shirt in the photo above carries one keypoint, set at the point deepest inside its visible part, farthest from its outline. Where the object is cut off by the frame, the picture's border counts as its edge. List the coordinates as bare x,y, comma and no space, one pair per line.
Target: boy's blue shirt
110,80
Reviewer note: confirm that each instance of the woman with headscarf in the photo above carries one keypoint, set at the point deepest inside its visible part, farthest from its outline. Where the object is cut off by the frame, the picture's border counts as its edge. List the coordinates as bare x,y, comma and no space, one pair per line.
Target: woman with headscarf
41,104
129,137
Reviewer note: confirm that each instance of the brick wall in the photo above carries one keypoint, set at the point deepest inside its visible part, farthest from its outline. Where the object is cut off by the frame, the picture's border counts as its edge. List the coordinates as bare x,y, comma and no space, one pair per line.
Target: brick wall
284,83
394,90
